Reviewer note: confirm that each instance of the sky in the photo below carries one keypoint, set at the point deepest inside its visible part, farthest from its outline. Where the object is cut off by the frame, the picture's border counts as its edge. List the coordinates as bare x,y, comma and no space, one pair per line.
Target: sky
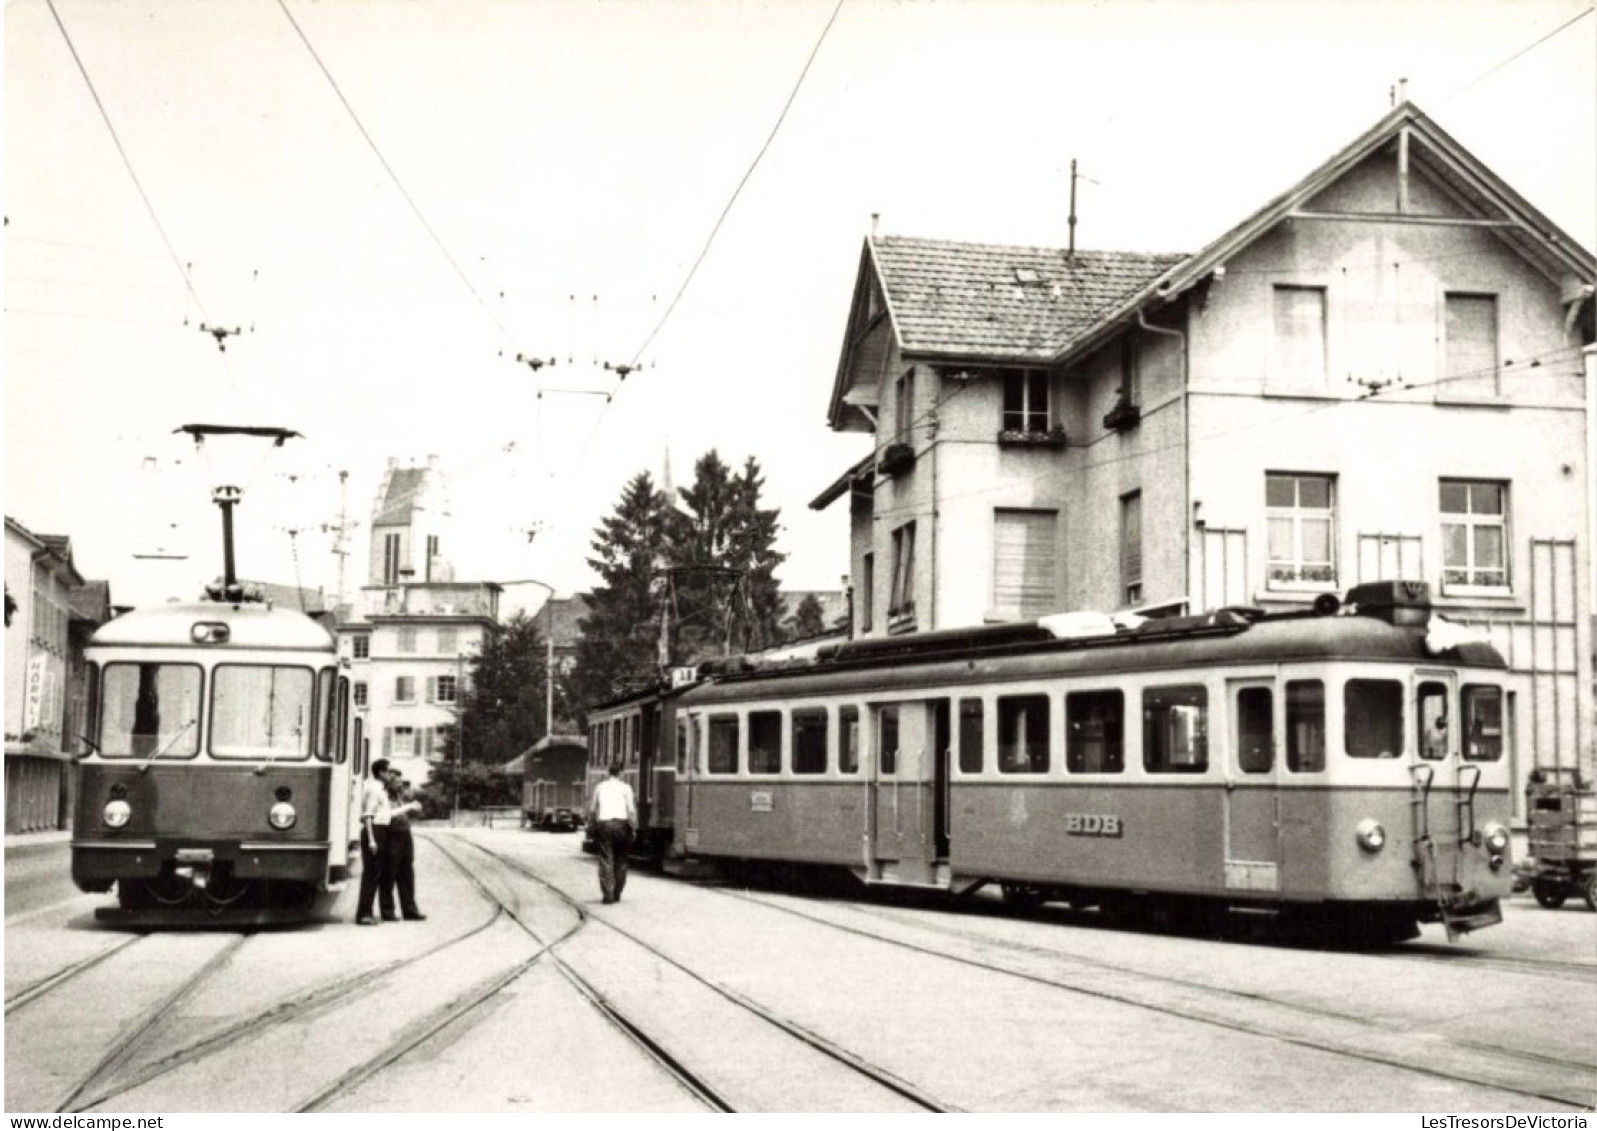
393,199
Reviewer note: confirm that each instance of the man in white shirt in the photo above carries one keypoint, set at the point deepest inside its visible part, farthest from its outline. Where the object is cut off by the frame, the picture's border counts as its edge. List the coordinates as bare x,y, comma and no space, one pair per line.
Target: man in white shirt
375,815
614,813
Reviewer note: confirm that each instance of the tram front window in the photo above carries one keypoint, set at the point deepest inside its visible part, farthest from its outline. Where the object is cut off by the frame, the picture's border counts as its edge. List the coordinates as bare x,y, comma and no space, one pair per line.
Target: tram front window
150,711
261,712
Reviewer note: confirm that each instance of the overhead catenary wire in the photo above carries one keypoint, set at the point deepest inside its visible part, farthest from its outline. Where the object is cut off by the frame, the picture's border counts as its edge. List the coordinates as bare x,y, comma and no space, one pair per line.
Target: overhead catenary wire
709,241
127,161
1527,49
393,175
1276,421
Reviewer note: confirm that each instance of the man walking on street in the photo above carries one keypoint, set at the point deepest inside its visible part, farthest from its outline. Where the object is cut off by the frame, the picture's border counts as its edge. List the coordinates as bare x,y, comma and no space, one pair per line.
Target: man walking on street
614,813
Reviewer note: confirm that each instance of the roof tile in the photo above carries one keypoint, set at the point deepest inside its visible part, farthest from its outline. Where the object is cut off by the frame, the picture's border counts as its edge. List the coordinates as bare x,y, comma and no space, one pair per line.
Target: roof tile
969,300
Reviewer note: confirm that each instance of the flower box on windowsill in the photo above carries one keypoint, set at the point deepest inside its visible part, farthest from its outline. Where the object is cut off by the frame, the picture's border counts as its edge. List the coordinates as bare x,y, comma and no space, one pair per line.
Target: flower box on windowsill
1014,438
895,459
1123,416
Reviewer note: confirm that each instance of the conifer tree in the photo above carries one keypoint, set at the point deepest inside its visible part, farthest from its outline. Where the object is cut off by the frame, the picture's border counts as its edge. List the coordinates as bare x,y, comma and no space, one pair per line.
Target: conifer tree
620,638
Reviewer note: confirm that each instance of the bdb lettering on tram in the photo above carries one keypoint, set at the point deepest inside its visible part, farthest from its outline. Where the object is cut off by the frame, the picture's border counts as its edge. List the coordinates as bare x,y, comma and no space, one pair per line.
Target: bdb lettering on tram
1092,824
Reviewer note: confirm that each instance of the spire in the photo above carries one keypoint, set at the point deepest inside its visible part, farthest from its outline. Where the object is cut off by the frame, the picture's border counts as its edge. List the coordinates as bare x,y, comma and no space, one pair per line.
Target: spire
666,485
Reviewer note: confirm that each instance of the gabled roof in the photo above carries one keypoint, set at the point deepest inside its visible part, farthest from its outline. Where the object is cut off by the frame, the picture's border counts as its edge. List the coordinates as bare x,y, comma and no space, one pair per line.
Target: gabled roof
1477,193
992,302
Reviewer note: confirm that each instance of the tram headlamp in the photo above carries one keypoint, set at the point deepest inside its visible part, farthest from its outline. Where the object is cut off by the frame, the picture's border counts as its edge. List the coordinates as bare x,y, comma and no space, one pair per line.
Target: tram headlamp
282,815
1371,836
1495,837
117,813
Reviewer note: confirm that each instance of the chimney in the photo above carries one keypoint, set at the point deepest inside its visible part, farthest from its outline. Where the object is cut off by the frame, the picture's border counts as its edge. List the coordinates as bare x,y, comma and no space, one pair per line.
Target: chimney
875,219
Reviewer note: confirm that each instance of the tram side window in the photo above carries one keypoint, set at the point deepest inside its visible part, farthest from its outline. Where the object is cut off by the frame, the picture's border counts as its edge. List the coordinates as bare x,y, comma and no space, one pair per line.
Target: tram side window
1305,726
809,740
971,755
632,740
765,742
848,740
887,739
1432,720
1255,721
723,744
1483,722
1023,734
1095,732
260,711
150,711
1175,730
327,747
1372,718
682,746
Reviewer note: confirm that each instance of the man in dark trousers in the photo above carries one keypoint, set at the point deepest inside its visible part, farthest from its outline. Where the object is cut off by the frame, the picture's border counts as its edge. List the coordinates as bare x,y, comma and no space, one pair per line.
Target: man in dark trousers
375,814
401,849
614,813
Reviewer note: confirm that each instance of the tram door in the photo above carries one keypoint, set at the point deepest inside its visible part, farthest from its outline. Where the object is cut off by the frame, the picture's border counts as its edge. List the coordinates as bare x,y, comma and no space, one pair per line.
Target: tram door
909,778
1252,794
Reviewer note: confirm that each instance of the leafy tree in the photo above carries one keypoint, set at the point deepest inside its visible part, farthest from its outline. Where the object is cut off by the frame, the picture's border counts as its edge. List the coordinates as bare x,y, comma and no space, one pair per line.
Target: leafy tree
501,710
620,643
480,785
807,620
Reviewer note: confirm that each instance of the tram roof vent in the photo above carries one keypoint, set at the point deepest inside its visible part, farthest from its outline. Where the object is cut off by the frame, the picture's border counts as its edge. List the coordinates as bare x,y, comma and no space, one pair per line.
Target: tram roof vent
1395,602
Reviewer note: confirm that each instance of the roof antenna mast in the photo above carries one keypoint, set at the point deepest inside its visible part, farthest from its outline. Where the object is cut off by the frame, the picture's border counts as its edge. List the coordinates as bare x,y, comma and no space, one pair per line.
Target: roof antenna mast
1071,254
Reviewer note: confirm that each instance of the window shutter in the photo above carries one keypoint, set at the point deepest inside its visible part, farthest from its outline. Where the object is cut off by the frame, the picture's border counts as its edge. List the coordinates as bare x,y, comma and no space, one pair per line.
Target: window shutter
1024,560
388,742
432,689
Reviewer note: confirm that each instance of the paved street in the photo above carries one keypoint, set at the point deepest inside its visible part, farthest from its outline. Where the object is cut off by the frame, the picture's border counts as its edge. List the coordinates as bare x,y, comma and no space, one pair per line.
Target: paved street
522,993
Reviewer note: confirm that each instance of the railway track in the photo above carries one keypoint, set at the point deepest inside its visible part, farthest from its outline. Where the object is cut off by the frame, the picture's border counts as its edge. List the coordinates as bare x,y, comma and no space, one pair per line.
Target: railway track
317,998
1518,1073
48,984
842,1057
1555,969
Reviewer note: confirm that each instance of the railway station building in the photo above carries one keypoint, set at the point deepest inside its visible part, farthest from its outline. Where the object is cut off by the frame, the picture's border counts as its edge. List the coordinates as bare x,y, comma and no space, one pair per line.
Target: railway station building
1385,372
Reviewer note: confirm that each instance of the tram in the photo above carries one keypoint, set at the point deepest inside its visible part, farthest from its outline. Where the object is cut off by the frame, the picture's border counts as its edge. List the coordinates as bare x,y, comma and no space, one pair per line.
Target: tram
1345,766
217,787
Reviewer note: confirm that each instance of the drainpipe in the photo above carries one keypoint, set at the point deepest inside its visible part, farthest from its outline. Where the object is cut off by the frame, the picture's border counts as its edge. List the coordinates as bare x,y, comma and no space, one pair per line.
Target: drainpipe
1186,453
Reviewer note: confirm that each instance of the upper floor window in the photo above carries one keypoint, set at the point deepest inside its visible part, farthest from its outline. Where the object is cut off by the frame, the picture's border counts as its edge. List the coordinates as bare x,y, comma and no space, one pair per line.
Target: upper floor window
867,593
1301,513
1474,534
1131,548
1471,332
1024,555
1299,336
359,690
361,646
901,600
407,640
446,641
1130,370
904,406
432,552
443,689
390,559
1026,401
405,689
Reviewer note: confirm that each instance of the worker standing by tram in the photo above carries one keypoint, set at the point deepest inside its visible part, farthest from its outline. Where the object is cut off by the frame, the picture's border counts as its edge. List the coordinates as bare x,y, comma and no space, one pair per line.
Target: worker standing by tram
375,815
614,813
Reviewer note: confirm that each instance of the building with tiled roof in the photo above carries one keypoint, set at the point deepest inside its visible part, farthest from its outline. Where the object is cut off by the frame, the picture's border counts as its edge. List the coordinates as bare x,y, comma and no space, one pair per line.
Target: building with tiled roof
52,612
1381,373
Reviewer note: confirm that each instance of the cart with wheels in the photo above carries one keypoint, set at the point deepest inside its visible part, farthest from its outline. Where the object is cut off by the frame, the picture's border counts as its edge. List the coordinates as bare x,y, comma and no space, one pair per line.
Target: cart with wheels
1562,811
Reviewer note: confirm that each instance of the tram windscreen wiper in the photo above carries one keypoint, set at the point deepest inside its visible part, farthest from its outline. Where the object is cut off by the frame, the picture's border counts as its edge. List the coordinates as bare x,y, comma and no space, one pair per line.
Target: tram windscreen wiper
171,742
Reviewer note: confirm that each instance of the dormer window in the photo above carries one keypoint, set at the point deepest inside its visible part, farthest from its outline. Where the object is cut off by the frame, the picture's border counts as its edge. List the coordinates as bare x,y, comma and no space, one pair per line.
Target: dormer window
1026,401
